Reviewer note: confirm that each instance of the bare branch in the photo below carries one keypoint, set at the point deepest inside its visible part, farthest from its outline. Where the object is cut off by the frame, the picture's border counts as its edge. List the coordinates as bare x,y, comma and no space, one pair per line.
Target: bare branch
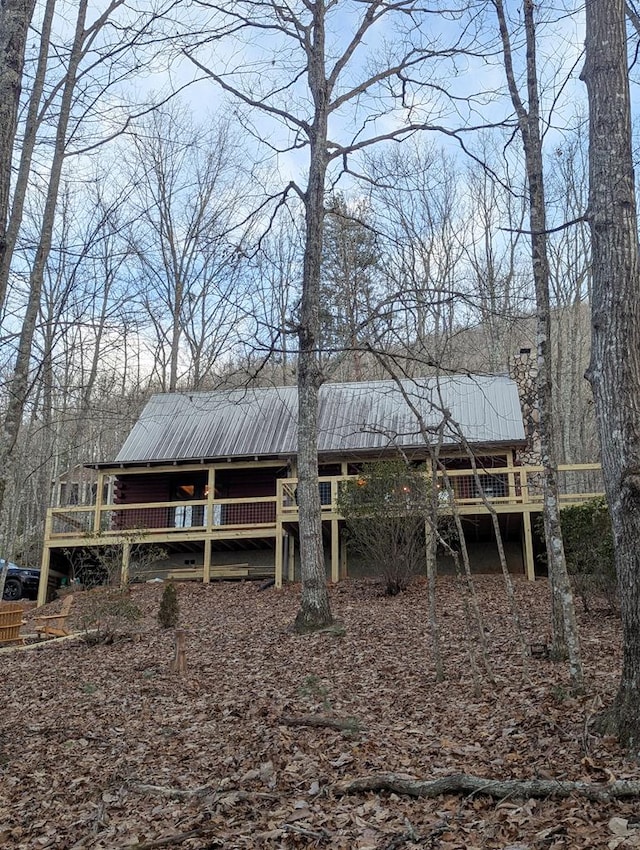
287,116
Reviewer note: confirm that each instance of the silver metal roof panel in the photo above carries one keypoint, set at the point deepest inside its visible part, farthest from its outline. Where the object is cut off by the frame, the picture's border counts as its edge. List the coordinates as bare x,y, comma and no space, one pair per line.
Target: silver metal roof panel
352,417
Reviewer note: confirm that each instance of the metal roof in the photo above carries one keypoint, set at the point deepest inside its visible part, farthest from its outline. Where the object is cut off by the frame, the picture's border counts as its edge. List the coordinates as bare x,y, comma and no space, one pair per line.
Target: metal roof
352,417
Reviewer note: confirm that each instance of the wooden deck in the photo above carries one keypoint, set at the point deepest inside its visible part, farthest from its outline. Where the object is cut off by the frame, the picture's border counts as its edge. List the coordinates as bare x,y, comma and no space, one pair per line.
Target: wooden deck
507,489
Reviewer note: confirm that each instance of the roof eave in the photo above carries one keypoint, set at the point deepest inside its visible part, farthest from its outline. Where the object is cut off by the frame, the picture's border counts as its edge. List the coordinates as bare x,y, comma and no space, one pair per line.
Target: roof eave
115,466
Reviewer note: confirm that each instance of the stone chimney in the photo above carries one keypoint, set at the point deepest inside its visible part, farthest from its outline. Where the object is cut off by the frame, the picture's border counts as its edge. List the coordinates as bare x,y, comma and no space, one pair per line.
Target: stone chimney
524,371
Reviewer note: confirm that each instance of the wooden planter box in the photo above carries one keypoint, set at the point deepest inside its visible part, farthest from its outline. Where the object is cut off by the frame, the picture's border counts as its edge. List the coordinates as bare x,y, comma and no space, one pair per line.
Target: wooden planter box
10,623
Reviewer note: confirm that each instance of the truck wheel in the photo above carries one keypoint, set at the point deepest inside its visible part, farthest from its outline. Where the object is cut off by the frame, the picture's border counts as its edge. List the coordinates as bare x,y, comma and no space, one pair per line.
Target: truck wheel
12,589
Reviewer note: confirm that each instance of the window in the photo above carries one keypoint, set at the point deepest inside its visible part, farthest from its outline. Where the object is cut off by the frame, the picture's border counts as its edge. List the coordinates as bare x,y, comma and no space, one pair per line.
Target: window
189,516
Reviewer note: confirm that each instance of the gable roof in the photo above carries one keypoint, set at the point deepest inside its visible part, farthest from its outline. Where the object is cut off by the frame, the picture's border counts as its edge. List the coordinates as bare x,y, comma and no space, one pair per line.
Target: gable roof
352,418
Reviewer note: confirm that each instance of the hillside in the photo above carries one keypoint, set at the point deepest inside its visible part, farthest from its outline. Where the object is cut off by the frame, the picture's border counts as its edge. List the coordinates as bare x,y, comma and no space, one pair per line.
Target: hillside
83,729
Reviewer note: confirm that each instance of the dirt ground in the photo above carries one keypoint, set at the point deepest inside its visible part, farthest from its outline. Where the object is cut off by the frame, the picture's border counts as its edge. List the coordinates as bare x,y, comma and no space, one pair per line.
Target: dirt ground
84,728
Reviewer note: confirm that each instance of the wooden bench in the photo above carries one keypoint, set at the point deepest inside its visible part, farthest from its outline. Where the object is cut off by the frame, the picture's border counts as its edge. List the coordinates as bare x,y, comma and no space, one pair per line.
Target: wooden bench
11,619
216,571
55,625
230,571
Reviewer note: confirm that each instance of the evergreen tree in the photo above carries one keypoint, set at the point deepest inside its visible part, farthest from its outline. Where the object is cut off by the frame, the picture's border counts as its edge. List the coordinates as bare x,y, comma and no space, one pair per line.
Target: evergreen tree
169,611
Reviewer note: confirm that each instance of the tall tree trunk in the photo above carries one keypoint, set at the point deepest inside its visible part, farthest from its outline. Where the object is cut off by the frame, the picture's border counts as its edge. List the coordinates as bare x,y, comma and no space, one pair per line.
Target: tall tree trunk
15,17
331,89
19,385
10,235
176,334
614,370
565,629
315,611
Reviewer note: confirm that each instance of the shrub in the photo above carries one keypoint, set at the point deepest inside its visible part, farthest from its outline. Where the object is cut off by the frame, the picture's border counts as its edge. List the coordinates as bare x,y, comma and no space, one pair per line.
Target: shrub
168,612
588,545
384,510
106,613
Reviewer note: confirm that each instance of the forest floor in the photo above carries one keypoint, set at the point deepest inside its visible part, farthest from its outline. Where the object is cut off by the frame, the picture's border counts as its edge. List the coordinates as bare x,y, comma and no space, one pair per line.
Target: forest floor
84,728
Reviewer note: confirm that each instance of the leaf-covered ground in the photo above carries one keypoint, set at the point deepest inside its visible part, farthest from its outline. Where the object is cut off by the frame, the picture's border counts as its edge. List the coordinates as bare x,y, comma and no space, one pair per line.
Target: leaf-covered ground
82,728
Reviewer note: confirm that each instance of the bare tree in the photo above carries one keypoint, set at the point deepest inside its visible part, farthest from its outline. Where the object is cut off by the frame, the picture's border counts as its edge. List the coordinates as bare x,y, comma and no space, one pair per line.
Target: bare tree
77,354
570,288
492,243
312,73
34,115
189,191
433,435
614,370
88,61
275,270
15,17
19,383
76,63
565,630
416,197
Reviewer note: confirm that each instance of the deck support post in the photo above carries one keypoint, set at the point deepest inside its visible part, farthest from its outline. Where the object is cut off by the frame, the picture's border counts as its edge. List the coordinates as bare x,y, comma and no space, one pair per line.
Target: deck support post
286,542
279,546
126,557
335,552
206,564
43,585
529,563
343,559
291,559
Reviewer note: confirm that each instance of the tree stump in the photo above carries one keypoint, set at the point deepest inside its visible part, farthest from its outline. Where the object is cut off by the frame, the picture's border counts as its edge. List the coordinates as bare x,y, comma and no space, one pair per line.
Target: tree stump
179,663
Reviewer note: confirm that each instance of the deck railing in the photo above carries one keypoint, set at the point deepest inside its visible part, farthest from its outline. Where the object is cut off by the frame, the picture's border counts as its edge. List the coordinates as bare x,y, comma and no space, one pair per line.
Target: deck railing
515,487
518,486
163,517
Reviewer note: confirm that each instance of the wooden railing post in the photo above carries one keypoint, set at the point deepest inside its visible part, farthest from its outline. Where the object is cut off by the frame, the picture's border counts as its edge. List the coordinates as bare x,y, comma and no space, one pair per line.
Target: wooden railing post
211,494
97,518
334,495
524,485
48,525
511,479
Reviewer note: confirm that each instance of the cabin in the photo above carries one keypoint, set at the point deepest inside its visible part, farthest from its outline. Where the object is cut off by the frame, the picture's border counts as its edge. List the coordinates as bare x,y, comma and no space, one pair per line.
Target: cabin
205,485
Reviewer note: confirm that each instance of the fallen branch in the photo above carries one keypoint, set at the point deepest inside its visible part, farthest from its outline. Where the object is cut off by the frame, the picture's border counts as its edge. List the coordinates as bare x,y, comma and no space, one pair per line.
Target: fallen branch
173,793
303,830
345,724
169,840
27,647
461,783
410,835
194,793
